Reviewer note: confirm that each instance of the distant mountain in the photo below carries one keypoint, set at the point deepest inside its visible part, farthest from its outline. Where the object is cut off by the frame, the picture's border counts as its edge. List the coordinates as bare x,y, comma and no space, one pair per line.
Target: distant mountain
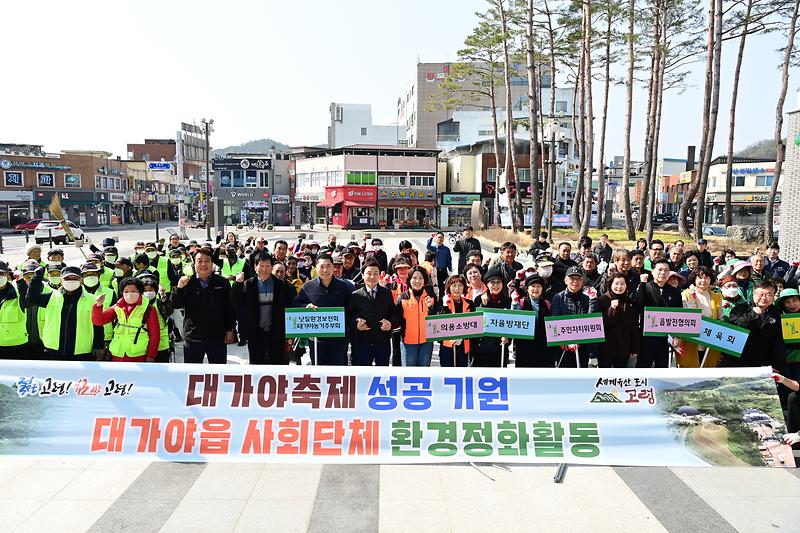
261,146
764,150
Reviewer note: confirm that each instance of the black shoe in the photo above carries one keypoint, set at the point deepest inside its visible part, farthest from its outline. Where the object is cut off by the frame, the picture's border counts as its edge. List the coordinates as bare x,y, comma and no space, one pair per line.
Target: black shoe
242,342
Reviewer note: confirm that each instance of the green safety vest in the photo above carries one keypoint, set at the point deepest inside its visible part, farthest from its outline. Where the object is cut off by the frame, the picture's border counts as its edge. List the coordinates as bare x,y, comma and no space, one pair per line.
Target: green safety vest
12,324
163,341
84,330
106,276
108,329
130,333
232,270
163,275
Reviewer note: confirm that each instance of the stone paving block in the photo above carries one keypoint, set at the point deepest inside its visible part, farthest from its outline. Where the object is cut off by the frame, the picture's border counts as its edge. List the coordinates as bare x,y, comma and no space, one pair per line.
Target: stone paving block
15,512
224,484
282,515
38,484
103,483
194,516
66,516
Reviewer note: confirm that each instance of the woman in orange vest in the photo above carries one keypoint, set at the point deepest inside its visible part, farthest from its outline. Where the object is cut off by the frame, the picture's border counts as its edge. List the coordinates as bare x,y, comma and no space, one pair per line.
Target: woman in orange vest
414,305
455,352
428,265
475,285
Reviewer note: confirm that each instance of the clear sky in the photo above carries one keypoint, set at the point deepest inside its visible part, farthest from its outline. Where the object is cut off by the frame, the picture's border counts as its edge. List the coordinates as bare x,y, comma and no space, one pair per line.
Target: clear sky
100,74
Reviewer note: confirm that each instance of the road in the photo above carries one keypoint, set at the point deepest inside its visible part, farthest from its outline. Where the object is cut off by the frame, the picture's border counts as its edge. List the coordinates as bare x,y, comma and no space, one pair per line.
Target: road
68,494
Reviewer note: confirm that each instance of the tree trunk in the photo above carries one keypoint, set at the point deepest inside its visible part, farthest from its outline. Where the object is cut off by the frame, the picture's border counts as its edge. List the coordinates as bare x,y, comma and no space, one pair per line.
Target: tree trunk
645,215
587,95
601,179
533,112
496,143
694,186
511,177
658,98
779,146
626,158
732,117
699,215
577,201
545,168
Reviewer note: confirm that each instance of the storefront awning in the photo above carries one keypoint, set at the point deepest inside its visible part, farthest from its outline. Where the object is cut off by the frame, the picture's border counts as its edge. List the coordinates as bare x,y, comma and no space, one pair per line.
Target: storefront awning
328,202
407,203
359,203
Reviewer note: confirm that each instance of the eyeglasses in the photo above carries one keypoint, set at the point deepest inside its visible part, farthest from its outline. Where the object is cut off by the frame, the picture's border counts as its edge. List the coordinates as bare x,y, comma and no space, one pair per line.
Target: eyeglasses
766,296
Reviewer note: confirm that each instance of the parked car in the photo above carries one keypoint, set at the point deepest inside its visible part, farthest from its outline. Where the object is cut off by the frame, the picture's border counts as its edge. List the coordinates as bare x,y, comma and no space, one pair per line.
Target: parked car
53,228
26,226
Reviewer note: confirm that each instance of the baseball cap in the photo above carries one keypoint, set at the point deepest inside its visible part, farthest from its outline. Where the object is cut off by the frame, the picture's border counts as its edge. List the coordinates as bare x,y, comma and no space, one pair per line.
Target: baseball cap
55,267
400,263
787,293
544,261
89,267
741,265
574,271
534,278
493,274
3,266
337,259
55,251
95,257
70,271
702,241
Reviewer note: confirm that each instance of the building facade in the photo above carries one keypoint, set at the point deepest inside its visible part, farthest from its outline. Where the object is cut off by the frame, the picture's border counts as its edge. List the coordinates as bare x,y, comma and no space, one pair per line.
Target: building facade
366,186
352,124
82,180
752,180
421,125
243,189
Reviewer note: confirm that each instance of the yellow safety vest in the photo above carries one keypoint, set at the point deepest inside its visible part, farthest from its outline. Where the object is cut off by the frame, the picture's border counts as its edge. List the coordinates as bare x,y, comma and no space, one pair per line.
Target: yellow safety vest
130,334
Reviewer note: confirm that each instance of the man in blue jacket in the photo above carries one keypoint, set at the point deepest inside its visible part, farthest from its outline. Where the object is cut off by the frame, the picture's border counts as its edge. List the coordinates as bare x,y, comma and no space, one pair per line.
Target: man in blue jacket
573,301
326,291
444,259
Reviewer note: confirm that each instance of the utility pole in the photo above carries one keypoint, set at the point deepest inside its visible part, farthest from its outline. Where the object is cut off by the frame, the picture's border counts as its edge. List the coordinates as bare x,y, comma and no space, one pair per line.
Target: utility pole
181,191
207,125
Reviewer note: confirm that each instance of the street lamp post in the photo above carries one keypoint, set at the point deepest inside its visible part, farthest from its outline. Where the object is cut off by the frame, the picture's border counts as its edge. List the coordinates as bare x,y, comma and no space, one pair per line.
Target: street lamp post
207,126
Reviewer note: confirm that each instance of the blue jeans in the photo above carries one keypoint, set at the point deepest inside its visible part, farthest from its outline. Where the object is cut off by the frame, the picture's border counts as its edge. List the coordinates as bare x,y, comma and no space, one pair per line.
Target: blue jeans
416,354
364,354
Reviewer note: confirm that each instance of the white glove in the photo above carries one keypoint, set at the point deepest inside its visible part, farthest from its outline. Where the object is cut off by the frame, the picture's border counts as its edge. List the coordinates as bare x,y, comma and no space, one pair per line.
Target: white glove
593,362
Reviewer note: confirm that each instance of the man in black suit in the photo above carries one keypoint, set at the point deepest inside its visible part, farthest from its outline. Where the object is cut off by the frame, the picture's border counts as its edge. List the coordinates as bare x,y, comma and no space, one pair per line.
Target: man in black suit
656,293
261,302
372,316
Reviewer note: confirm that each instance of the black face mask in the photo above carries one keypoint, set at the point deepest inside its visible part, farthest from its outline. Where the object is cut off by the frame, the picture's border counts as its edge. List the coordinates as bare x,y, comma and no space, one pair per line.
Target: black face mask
232,257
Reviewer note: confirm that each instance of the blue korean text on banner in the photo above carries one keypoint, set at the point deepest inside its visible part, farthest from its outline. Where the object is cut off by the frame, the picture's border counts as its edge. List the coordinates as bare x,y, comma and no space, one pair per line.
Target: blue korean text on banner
290,414
720,336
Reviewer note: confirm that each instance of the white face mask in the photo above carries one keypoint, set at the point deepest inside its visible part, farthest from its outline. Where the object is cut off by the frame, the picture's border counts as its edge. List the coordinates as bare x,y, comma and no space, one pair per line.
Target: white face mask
111,258
301,264
175,261
131,297
91,281
152,255
71,284
55,280
730,292
545,271
3,281
53,263
118,272
150,295
377,247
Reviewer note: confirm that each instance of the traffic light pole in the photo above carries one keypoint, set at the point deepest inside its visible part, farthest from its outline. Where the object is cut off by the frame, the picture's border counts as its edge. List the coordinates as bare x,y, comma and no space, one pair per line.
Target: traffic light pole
181,186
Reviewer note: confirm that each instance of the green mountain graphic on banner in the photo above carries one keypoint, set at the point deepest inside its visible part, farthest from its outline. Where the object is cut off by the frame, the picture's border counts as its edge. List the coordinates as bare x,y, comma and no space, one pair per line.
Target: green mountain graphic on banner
604,397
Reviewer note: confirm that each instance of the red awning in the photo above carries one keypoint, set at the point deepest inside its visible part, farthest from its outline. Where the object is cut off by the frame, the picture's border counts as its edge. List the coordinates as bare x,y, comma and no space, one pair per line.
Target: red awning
359,203
327,202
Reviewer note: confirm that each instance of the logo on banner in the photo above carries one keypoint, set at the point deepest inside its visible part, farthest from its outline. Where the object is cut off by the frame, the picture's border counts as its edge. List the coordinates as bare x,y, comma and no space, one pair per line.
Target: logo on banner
623,391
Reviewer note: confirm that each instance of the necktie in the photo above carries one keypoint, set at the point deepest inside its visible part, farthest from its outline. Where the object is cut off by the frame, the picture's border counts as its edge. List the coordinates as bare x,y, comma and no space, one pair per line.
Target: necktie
372,294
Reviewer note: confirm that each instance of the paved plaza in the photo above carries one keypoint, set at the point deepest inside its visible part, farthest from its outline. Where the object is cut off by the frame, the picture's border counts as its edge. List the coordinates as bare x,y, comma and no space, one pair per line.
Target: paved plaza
69,494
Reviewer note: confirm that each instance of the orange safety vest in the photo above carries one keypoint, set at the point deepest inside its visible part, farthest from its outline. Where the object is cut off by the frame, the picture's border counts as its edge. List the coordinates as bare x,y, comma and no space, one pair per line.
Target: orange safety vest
465,305
414,313
471,292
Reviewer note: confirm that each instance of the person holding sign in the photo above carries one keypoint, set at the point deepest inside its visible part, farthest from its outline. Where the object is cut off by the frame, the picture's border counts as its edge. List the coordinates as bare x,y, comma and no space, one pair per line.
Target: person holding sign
455,352
534,353
764,346
656,293
485,350
136,329
573,301
372,316
700,296
414,305
620,323
731,297
789,305
326,291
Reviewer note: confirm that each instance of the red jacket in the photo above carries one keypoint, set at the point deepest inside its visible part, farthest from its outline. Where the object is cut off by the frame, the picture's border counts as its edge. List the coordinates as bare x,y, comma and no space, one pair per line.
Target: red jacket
102,317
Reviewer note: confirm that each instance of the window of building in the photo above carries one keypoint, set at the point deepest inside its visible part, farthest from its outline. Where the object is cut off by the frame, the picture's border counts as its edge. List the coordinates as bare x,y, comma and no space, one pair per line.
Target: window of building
117,183
524,175
251,179
97,182
422,181
712,181
738,181
45,179
561,106
13,178
145,157
278,179
225,178
763,180
238,178
363,132
263,179
103,182
360,177
491,174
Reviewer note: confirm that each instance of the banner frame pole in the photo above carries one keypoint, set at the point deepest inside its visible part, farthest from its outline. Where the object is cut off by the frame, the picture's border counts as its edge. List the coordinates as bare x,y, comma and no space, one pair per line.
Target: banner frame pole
705,356
316,352
561,472
577,357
